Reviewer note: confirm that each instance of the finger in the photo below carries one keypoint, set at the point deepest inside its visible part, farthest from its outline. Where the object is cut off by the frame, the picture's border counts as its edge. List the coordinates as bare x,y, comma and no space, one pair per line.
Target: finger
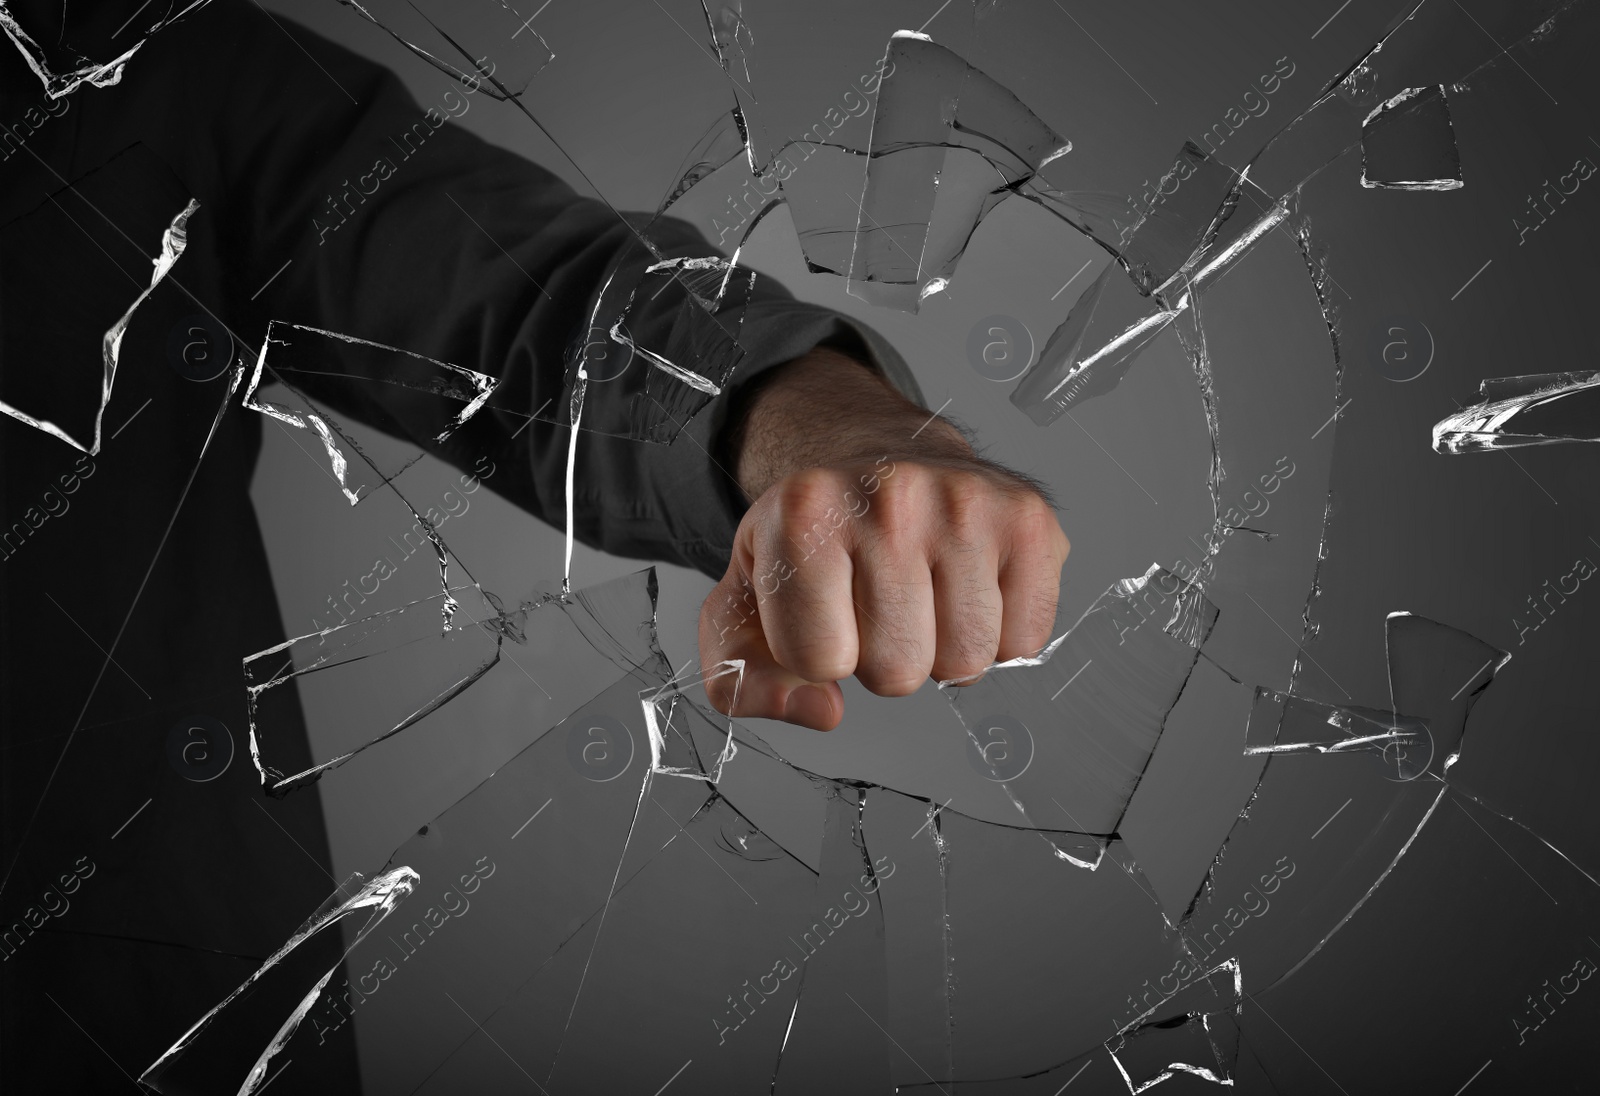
1030,584
730,628
803,559
893,590
968,610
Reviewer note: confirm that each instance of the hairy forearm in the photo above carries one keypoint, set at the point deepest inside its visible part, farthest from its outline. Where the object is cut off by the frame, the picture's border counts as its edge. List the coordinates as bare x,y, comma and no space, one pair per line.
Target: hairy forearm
825,408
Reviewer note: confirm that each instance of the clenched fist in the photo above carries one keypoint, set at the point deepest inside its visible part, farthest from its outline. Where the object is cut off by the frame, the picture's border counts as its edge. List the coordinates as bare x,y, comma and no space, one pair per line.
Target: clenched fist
878,545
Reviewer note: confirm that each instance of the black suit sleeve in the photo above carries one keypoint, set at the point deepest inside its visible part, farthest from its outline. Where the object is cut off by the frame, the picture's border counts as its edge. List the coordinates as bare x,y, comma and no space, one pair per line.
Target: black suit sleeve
410,231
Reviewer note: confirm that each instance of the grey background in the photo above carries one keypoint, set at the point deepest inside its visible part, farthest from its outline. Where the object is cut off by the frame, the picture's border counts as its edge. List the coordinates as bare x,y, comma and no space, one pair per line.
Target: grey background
627,93
1464,540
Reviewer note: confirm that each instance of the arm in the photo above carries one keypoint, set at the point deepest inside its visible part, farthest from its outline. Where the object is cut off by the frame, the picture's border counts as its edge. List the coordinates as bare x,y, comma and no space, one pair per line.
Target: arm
878,545
388,223
471,255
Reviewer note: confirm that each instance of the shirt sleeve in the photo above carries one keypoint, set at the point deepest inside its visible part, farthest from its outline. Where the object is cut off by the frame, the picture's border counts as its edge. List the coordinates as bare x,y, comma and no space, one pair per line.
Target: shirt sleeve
408,230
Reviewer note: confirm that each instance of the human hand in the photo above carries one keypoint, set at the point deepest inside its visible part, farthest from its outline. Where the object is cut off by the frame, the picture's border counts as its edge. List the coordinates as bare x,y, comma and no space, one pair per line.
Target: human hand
874,549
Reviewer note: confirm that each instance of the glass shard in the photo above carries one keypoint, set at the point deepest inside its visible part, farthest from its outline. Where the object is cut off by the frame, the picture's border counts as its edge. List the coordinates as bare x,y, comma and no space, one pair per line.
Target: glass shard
822,185
1437,673
906,837
1544,409
235,1045
70,406
402,656
1343,797
932,101
1068,732
723,142
497,49
663,331
1408,143
1282,724
1191,793
61,57
837,1036
1065,973
410,395
1093,349
1188,206
1197,1034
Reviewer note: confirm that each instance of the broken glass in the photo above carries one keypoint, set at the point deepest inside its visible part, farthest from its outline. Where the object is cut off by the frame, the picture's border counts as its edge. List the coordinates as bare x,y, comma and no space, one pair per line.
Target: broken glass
1515,411
92,43
278,995
1407,143
1201,1038
403,656
670,348
931,100
349,373
1068,732
1092,349
498,50
105,243
1234,801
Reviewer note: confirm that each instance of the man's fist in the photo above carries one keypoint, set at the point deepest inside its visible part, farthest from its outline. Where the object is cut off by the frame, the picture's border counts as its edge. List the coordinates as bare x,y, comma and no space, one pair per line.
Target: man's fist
919,560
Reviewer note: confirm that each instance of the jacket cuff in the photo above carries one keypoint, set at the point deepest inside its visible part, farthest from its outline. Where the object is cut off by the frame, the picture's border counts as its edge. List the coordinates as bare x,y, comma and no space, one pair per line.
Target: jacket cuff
700,498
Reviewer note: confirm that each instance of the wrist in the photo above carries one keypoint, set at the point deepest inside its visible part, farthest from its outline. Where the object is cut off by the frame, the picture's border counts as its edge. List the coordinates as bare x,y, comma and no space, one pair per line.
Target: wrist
826,408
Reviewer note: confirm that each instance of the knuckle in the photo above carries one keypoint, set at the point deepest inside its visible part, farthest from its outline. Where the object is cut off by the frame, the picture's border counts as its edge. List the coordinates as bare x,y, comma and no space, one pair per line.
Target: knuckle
964,488
814,657
899,659
803,495
967,502
901,501
1035,532
891,677
810,513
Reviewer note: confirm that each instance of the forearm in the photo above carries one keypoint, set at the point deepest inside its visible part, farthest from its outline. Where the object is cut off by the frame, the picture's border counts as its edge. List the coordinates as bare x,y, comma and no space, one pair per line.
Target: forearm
825,408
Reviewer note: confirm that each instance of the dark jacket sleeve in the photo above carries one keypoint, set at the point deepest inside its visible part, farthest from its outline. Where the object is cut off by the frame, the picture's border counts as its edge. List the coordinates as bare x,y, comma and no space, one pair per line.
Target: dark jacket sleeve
407,230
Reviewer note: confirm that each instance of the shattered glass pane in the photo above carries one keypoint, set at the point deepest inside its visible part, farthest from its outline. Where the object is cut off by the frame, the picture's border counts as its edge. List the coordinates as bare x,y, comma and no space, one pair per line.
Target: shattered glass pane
1290,769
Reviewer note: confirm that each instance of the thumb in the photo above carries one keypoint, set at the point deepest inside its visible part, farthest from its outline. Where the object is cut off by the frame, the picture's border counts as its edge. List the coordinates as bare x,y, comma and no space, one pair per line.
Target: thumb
730,628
